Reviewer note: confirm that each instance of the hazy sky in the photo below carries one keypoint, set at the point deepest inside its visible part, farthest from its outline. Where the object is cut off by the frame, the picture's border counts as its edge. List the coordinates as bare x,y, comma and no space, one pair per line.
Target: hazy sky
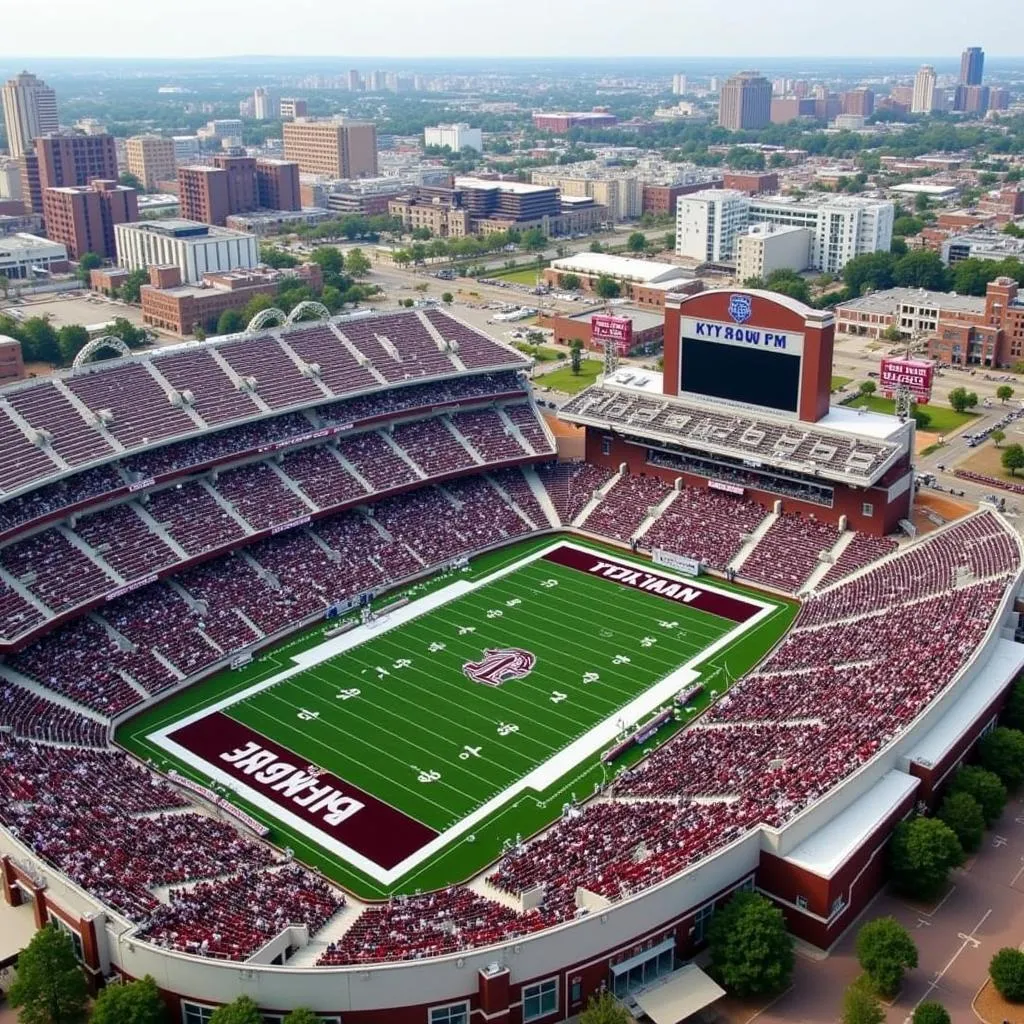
438,28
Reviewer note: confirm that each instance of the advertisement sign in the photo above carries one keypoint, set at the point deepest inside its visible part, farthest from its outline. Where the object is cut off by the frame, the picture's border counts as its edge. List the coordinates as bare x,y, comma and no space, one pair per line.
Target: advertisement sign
617,329
680,563
913,374
742,336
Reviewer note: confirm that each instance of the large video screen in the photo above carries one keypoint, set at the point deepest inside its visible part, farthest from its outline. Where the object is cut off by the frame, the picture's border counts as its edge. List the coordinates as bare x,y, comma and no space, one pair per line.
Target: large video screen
764,377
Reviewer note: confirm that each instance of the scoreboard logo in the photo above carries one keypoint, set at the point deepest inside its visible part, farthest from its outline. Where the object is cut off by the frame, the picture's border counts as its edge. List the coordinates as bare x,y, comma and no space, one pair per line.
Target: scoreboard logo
741,308
499,665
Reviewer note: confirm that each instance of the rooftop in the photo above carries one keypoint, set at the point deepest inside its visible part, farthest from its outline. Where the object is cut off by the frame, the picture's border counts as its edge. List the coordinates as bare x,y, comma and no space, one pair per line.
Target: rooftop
645,271
178,227
24,242
887,301
519,187
642,319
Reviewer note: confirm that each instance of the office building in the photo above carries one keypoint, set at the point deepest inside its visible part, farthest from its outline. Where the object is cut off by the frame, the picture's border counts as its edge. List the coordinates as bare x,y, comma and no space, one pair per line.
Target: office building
203,194
679,85
30,110
241,182
25,257
708,223
924,98
150,158
64,160
745,102
10,179
972,66
766,248
973,99
643,282
562,121
981,245
456,137
754,183
264,106
860,102
82,218
186,148
355,83
998,98
784,109
291,107
195,249
277,185
221,128
335,149
622,194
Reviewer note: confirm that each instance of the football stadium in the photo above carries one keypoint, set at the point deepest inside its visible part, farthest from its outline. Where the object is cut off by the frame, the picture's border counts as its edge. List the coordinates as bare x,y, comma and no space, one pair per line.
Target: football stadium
330,677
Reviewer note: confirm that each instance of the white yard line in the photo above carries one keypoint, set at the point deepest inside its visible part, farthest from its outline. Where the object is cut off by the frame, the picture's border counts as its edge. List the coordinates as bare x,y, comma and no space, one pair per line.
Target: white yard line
543,776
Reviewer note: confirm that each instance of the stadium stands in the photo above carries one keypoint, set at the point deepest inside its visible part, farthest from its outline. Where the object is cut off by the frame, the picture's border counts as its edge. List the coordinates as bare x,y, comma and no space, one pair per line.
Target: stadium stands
571,486
788,553
626,506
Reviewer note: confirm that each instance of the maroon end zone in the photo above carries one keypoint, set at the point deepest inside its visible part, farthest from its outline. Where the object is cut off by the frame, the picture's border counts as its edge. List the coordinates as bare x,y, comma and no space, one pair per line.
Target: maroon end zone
330,805
635,576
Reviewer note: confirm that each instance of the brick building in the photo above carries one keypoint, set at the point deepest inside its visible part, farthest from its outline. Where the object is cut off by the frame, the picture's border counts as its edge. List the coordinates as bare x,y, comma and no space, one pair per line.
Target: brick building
203,194
82,217
277,185
64,160
754,183
661,199
150,158
562,121
645,283
996,338
336,149
648,328
241,180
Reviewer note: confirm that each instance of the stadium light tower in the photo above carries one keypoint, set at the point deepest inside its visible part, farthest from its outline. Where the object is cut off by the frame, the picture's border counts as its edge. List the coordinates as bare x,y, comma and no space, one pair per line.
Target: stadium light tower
611,351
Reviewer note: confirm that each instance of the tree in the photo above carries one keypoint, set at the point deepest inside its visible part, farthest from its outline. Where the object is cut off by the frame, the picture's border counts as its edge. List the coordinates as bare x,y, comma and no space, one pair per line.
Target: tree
357,263
963,814
198,332
130,180
131,287
50,987
241,1011
418,252
959,399
39,340
137,1002
447,298
922,203
907,225
302,1015
893,332
921,418
921,268
866,387
570,282
885,951
607,287
403,257
230,322
604,1008
255,305
1006,969
873,270
921,855
751,951
1012,458
279,259
71,339
861,1005
788,282
669,242
1002,752
596,246
637,242
998,436
330,262
1013,713
931,1013
534,240
985,787
576,353
124,329
1004,392
87,262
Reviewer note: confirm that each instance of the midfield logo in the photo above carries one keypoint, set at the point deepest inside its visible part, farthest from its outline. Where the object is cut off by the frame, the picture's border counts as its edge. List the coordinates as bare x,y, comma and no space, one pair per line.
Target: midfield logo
741,308
499,665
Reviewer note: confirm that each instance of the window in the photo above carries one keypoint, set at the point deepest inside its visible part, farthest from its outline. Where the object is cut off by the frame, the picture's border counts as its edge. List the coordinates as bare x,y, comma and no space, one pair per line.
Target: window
76,940
867,509
576,992
606,446
541,999
700,922
453,1013
801,902
195,1013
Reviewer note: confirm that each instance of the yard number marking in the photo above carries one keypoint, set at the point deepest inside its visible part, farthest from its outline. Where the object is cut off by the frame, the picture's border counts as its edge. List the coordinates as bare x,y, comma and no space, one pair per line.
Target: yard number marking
348,694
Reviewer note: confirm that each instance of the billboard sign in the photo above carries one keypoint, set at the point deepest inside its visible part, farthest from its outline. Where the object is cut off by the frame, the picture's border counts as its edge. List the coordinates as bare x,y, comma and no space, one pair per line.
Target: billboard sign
740,335
616,329
913,374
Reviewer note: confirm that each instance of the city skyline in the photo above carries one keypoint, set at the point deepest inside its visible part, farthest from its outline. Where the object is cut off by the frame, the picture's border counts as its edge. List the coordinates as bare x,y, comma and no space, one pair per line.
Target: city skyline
742,30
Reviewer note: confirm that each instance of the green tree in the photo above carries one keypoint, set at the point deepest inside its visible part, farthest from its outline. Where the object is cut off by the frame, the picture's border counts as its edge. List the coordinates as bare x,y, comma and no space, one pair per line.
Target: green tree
596,246
893,332
958,398
607,287
921,268
331,297
874,271
124,329
1004,392
357,263
751,951
922,203
1006,969
867,387
1001,751
998,436
403,257
87,262
907,225
637,242
50,987
604,1008
963,814
534,240
576,354
1012,458
137,1002
302,1015
921,855
130,180
279,259
131,286
885,951
669,241
788,282
985,787
255,305
447,298
240,1011
861,1005
931,1013
971,276
230,322
570,282
330,261
199,332
418,252
422,234
1013,713
71,339
39,340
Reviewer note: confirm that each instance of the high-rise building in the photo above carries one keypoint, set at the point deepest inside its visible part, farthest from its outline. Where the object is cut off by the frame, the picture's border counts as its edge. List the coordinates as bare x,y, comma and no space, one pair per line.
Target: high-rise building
150,158
82,217
975,98
336,149
10,179
923,100
241,172
708,223
746,102
972,65
30,110
186,148
998,98
375,81
203,194
456,137
354,81
679,85
264,107
64,160
859,101
291,107
277,185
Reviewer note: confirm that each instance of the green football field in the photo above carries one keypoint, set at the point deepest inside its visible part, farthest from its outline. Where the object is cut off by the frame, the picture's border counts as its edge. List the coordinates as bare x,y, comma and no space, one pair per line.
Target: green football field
447,755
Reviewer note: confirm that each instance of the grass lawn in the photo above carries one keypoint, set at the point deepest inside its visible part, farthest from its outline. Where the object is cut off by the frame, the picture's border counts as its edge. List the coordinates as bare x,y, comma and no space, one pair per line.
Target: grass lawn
569,382
398,716
542,353
943,420
521,275
840,382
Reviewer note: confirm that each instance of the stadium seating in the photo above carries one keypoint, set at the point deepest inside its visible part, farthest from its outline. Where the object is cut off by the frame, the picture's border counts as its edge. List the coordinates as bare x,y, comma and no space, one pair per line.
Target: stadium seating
89,484
486,432
277,380
318,345
626,506
259,496
376,461
525,418
475,349
863,550
21,461
571,485
321,476
47,409
214,395
516,486
32,717
788,553
125,541
432,446
191,515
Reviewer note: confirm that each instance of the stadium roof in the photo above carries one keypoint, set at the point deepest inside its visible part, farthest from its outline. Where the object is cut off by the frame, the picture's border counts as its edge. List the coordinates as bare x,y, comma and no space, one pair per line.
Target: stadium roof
644,271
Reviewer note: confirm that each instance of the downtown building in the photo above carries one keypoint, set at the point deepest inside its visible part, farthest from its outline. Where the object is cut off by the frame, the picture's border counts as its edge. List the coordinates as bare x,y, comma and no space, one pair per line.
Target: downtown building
334,149
745,102
194,249
151,158
82,217
237,185
66,160
30,110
